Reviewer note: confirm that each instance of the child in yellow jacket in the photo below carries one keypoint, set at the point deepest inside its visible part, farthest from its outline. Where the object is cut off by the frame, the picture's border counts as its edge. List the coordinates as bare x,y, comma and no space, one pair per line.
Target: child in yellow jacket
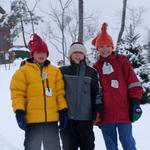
37,93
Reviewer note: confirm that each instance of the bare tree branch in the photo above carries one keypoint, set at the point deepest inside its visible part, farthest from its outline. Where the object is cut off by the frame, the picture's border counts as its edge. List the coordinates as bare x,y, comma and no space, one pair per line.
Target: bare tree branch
134,17
66,25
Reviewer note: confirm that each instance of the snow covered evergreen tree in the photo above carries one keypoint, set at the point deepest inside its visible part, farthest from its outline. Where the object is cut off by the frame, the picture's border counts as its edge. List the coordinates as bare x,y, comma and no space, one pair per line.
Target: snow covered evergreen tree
138,59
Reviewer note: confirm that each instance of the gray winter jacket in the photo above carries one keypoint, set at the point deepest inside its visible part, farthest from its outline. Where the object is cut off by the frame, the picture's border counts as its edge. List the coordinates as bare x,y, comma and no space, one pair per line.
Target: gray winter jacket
83,91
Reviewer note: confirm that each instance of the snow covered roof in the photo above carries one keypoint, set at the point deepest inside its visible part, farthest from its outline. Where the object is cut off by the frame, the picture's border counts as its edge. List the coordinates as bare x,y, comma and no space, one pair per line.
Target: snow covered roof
18,49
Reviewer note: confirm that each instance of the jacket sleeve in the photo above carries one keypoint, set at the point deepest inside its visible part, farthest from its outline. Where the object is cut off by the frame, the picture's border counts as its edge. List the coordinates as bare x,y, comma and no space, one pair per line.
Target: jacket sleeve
60,92
18,87
133,84
96,89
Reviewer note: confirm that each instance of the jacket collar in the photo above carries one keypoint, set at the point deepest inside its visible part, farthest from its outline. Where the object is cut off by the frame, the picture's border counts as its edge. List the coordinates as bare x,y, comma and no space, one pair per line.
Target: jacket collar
78,69
46,63
109,59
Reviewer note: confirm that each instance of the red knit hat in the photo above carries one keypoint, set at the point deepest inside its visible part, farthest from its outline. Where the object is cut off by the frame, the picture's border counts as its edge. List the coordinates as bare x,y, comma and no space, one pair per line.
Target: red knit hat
103,38
37,45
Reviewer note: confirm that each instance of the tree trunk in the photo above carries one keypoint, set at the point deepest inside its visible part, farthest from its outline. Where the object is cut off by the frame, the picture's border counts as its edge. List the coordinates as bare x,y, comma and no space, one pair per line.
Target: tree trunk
122,21
80,34
63,38
23,34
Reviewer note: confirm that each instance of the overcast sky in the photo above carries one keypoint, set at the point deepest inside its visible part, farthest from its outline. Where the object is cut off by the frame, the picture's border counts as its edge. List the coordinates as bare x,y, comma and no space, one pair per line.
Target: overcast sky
107,10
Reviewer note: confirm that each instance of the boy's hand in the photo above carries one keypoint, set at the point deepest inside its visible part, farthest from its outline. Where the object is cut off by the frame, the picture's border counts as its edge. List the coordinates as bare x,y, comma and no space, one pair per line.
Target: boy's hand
63,119
20,117
97,120
136,113
97,114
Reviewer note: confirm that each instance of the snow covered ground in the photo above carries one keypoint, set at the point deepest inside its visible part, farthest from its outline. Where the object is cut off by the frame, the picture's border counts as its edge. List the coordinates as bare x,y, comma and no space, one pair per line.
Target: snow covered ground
11,137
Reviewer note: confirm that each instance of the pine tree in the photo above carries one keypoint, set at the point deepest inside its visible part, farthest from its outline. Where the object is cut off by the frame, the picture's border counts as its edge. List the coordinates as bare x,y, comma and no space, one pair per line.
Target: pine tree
138,59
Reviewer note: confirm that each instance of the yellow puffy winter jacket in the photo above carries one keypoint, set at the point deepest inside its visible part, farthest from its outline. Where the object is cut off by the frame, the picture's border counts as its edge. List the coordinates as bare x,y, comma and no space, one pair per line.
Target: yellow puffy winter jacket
39,92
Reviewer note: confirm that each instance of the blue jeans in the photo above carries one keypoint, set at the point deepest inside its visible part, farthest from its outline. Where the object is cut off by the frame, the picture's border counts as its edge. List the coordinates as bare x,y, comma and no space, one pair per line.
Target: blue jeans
124,130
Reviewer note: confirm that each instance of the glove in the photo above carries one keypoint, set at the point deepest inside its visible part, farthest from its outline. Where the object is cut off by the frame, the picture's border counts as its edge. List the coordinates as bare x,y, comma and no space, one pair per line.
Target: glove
97,120
63,119
98,108
97,114
136,113
20,117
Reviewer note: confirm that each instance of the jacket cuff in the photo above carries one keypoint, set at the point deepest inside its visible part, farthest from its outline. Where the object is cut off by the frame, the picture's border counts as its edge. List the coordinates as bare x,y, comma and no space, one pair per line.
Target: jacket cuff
135,102
19,111
99,108
63,111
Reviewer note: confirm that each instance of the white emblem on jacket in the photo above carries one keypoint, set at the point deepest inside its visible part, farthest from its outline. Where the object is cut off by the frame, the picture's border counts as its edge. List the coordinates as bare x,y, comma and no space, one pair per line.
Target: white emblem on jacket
44,76
48,91
107,68
114,83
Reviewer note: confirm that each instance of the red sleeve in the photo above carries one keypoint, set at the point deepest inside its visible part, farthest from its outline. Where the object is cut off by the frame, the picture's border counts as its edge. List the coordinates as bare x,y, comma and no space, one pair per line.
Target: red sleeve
134,85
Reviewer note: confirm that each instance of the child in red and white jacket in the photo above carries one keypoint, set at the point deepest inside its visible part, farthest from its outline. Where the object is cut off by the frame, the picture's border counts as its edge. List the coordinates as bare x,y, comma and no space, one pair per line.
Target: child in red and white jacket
122,93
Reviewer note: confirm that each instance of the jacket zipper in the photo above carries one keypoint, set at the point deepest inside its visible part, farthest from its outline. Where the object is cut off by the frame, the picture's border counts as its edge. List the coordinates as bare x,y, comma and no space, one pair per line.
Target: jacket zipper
44,97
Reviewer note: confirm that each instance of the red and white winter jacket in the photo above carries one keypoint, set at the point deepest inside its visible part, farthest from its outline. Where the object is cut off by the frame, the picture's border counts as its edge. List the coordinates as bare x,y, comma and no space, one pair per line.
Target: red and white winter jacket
117,100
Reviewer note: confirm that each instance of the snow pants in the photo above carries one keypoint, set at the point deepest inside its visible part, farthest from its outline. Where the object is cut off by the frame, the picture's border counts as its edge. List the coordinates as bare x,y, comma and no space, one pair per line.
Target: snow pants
38,134
124,130
65,139
79,134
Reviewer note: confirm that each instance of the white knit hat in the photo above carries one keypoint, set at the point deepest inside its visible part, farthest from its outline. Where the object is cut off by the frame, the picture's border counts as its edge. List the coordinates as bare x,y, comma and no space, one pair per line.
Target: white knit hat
77,47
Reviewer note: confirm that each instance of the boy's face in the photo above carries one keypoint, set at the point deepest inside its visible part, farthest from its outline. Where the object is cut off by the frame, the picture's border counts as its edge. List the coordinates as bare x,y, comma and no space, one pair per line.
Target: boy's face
105,50
77,57
39,57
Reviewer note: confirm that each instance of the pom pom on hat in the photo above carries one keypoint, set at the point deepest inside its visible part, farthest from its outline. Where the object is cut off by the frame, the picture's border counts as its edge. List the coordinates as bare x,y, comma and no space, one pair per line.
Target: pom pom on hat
103,38
37,45
77,47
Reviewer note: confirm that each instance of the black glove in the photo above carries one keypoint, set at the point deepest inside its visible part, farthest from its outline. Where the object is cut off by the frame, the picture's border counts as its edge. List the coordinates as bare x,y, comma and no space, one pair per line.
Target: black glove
136,110
97,115
63,119
20,117
98,108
